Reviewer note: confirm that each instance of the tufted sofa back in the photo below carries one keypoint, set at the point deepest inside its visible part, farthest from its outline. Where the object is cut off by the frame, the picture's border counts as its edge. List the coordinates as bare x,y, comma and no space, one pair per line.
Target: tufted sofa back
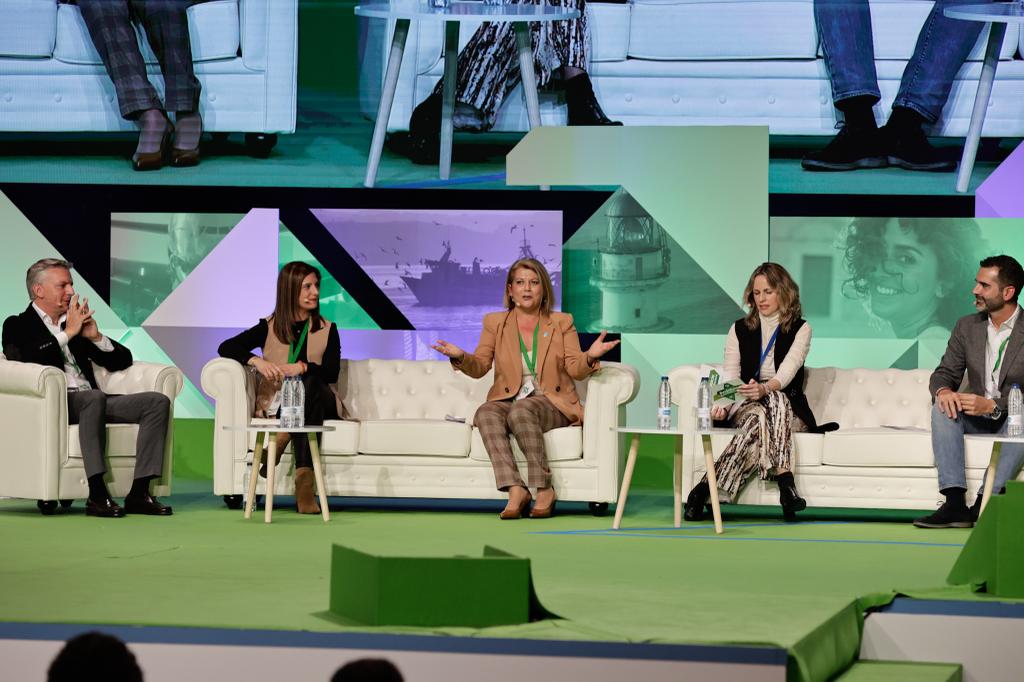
869,398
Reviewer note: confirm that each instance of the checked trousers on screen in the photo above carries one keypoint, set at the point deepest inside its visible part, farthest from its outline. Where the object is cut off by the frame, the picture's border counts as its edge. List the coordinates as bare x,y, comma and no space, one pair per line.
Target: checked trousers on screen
527,419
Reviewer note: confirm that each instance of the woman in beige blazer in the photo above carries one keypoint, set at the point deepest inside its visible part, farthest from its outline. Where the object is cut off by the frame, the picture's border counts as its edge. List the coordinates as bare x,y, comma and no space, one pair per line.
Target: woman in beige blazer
536,356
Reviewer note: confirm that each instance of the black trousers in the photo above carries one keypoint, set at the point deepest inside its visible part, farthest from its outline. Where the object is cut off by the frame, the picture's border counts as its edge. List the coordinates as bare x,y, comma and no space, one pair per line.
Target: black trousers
166,26
320,406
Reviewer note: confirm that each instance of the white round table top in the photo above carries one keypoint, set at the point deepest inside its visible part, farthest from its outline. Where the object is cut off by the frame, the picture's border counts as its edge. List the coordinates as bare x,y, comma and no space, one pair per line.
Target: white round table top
1001,12
276,428
463,11
675,431
1001,437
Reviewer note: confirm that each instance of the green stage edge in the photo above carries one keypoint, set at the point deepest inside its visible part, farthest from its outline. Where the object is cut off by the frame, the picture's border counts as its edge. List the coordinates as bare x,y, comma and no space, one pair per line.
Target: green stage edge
879,671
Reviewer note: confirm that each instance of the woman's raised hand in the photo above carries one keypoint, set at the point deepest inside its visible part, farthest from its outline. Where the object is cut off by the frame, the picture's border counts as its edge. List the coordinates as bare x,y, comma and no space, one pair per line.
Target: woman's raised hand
448,349
600,346
268,369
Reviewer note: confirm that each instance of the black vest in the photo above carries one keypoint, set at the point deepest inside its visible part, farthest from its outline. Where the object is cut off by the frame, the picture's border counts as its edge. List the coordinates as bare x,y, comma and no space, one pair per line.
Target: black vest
750,358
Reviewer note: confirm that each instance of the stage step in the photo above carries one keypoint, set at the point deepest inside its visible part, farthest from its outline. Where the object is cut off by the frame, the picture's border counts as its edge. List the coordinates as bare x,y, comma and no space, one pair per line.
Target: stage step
904,671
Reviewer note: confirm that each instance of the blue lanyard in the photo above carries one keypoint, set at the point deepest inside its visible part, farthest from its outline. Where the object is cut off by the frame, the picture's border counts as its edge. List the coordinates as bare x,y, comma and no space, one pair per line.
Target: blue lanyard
766,351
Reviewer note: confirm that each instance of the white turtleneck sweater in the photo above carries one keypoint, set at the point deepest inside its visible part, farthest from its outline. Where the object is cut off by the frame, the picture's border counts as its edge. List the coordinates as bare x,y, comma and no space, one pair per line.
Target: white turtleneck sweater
790,366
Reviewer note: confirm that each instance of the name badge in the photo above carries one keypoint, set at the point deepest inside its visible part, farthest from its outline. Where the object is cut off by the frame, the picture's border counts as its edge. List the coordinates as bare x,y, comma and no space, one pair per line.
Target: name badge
525,390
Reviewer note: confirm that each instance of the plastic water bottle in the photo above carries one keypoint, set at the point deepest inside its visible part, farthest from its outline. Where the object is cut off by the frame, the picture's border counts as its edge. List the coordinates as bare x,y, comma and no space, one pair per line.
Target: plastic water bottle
1015,413
298,403
664,405
287,403
704,405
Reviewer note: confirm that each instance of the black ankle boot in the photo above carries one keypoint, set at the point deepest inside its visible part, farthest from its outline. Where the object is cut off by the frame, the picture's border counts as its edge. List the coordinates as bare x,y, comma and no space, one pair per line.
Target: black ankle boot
422,144
789,498
426,117
584,109
697,502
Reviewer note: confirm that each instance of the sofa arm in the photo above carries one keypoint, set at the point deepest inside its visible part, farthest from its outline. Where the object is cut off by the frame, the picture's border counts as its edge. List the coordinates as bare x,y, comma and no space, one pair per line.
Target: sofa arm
608,391
141,377
269,33
224,380
34,421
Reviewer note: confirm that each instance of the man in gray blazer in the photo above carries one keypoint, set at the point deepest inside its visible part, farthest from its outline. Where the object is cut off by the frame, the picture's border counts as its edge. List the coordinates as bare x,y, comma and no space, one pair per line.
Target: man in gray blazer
985,345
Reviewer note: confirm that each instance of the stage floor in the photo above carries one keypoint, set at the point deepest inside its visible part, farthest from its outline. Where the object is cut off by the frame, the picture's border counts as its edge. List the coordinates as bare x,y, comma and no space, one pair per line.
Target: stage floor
763,582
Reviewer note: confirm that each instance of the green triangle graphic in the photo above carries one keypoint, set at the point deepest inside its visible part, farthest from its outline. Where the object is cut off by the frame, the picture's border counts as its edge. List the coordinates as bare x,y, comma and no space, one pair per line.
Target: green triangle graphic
335,303
908,360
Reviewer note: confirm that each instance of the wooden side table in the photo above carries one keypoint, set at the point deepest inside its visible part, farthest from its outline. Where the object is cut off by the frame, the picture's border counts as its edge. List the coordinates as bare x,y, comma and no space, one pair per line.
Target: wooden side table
677,471
265,433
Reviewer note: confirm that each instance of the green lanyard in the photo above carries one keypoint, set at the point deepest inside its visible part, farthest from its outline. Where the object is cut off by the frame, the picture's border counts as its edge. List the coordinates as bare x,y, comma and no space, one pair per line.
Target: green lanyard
294,348
531,362
999,358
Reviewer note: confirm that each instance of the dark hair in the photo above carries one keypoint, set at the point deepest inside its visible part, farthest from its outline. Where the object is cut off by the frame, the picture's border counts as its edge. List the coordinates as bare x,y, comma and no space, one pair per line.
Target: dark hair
535,266
368,670
955,241
289,284
1010,273
779,279
94,656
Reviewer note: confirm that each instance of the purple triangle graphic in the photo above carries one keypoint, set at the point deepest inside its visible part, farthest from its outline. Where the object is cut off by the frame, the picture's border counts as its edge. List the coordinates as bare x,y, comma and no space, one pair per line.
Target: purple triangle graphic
999,196
191,347
234,285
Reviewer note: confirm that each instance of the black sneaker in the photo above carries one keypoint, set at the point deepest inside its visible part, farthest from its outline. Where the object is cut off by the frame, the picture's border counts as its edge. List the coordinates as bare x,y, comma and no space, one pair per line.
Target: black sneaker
849,150
910,149
947,516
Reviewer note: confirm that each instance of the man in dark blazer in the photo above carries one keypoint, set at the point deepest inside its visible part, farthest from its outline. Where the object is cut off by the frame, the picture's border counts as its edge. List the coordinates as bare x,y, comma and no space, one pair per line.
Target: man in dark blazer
58,330
986,346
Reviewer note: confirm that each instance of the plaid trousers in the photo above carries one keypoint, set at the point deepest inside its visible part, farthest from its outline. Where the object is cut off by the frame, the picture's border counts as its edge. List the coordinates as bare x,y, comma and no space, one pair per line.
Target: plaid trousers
166,26
764,443
527,419
488,68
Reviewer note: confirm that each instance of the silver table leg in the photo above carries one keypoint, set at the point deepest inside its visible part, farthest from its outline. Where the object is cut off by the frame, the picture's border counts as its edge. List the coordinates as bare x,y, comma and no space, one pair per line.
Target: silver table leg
528,77
451,58
387,98
988,73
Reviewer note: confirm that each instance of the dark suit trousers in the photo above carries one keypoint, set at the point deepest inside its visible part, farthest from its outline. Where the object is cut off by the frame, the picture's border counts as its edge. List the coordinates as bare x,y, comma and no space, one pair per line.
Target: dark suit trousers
320,405
93,410
166,26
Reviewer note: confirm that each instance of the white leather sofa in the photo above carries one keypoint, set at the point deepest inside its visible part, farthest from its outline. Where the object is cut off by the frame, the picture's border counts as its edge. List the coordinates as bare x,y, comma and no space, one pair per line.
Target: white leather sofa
42,459
863,464
245,54
396,441
712,62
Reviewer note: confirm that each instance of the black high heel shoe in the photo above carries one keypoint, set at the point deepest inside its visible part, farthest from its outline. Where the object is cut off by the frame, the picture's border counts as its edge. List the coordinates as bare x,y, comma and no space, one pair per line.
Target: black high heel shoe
584,109
697,507
789,499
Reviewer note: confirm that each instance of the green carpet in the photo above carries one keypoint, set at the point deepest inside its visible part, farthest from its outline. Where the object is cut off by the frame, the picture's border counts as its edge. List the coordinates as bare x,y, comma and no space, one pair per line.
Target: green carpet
763,582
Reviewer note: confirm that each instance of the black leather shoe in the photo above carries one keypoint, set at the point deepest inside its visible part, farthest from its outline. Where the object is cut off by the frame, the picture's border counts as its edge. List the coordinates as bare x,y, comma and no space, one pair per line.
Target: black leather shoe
976,509
423,150
696,507
791,501
47,507
146,505
947,516
106,508
584,109
911,150
849,150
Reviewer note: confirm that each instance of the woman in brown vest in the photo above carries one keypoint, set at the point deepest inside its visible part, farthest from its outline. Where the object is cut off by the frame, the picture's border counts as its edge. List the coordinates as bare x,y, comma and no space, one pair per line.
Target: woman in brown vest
766,351
536,356
294,340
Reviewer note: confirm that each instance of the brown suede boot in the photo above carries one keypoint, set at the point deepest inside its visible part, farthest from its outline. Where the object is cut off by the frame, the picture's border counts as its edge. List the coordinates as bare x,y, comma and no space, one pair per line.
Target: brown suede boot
305,499
282,440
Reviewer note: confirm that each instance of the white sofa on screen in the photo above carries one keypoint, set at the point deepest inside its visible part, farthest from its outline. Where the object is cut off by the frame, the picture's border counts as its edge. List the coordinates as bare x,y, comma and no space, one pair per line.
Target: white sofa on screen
863,464
712,62
42,458
396,442
245,54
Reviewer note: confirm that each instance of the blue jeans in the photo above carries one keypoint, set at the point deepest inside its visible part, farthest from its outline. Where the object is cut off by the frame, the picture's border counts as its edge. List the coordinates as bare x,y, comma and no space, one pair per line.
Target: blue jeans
844,27
948,446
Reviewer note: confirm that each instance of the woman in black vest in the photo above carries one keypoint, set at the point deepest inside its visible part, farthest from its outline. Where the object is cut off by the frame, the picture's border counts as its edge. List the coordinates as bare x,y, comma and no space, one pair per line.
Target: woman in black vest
766,350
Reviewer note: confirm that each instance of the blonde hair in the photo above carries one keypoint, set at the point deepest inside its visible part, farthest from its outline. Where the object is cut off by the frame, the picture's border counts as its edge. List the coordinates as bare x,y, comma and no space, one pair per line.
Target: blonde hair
535,266
789,295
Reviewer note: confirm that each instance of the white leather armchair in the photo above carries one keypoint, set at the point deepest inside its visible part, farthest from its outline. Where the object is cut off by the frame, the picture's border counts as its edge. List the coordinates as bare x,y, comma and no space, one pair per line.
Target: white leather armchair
41,458
395,441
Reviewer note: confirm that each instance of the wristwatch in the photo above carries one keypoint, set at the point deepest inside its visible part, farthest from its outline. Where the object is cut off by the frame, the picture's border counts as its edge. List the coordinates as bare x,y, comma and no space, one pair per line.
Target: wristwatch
996,413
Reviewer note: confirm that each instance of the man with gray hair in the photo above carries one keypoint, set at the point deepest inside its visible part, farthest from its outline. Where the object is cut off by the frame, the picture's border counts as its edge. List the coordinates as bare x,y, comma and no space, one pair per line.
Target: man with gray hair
57,329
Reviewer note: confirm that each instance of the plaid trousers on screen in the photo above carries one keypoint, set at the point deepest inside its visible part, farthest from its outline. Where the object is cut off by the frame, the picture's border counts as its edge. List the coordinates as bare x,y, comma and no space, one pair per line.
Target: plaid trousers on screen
488,68
527,419
764,443
166,27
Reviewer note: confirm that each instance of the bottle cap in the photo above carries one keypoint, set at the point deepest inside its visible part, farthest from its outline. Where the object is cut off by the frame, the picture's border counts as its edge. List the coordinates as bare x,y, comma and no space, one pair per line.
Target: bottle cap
664,377
1013,386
